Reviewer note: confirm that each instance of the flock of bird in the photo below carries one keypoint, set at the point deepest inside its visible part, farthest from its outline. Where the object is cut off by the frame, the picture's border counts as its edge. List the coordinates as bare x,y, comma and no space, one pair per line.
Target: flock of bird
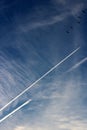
78,21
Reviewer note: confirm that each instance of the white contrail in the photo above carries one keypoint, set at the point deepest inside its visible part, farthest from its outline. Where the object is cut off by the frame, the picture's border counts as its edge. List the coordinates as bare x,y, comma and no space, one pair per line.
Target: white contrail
15,110
77,64
40,78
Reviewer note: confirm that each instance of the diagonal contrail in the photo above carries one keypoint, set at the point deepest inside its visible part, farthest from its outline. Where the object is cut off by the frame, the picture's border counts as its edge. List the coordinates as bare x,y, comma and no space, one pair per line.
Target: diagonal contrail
77,64
44,75
18,108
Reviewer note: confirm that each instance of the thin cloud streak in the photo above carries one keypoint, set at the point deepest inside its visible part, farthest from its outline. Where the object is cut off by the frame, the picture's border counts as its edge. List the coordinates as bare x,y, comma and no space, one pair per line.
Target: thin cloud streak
74,10
18,108
53,20
78,64
43,76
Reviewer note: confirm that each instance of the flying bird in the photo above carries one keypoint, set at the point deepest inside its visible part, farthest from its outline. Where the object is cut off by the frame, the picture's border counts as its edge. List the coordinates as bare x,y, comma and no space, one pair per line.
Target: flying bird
71,27
67,32
78,22
79,17
83,11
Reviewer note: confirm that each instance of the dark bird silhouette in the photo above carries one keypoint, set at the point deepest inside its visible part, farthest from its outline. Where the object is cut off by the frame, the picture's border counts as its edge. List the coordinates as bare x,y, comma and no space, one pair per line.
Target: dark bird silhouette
67,32
71,27
78,22
83,11
79,17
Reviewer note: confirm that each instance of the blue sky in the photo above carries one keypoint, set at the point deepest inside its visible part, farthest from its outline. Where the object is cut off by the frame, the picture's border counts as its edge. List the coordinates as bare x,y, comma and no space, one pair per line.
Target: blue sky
33,39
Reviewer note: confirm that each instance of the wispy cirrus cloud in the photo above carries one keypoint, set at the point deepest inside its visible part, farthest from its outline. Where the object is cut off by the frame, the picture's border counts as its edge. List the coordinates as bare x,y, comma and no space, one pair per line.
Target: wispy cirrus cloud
13,78
43,76
61,113
59,104
42,17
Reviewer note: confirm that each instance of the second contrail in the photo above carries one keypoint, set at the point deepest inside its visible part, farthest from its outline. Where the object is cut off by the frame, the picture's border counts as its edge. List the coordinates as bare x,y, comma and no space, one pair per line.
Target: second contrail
18,108
44,75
